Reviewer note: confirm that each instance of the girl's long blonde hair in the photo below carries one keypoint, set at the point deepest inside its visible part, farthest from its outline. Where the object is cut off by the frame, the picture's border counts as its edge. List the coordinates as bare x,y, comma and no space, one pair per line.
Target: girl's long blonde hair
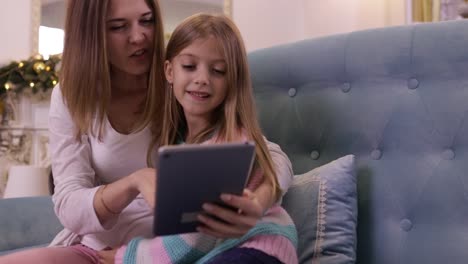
85,72
237,113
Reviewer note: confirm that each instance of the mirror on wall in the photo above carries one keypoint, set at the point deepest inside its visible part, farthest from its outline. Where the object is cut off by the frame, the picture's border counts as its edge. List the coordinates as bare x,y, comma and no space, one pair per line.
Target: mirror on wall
174,11
51,27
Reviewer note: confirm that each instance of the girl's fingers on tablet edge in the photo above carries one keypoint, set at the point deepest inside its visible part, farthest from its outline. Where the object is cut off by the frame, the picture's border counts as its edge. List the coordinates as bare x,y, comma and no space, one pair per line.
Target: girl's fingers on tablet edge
245,204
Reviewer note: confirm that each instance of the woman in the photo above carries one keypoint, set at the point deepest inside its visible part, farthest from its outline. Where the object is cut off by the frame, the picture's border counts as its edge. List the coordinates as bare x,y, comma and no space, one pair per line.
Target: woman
99,121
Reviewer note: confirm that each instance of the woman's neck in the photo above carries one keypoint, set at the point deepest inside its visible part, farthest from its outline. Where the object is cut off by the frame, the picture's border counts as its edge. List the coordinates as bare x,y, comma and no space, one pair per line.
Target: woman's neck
127,97
124,83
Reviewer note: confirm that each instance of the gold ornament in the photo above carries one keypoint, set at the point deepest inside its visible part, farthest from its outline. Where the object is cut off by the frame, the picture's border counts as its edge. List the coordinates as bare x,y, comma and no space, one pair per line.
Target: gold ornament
8,85
38,57
39,66
48,68
20,65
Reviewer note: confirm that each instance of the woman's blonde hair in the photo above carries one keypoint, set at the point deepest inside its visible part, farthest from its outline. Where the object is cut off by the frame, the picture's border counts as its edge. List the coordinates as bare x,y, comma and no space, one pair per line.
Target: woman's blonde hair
85,71
238,109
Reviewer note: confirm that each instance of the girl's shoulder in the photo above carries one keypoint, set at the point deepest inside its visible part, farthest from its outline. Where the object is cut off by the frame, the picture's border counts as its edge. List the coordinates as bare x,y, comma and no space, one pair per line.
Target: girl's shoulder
240,135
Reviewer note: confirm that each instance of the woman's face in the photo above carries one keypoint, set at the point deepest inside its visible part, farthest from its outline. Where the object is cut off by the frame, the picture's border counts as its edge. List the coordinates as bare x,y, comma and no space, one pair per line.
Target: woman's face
129,36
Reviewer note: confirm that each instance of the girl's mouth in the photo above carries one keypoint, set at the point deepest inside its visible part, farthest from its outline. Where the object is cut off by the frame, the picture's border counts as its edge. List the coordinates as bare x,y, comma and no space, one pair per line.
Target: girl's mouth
200,95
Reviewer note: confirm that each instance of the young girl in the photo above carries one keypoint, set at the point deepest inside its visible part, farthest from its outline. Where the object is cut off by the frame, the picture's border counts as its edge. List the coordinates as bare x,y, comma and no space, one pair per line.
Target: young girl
210,100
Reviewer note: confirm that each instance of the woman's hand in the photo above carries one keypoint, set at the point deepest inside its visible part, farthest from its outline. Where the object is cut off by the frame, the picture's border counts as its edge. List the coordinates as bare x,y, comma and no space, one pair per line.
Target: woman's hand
107,256
112,198
145,182
222,222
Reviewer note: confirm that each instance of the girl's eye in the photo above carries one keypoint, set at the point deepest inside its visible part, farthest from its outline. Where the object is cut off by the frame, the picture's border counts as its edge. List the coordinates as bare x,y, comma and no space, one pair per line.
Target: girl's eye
188,66
219,71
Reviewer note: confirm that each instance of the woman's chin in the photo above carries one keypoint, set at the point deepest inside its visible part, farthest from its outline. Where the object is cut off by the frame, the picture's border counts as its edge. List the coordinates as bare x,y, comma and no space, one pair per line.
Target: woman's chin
136,71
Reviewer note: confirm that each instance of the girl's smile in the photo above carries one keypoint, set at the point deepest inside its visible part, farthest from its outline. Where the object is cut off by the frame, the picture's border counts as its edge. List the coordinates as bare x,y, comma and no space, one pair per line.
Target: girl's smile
199,96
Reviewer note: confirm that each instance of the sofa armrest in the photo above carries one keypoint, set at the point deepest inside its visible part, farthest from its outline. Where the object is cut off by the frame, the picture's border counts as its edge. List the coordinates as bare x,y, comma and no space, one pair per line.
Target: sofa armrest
27,222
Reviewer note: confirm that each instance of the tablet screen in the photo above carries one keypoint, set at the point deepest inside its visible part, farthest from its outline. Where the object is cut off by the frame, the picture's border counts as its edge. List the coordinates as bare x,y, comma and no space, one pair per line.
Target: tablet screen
190,175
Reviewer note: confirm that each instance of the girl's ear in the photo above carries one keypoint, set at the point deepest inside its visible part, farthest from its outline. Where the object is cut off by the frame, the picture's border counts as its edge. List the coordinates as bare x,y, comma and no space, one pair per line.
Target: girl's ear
168,71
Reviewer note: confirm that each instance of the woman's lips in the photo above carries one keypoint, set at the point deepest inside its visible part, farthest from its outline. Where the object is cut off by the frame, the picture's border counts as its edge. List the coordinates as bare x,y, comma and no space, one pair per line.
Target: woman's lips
139,53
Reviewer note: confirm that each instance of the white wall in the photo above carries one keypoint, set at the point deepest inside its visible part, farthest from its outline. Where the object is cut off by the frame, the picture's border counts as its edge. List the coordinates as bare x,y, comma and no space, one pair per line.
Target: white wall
338,16
265,23
15,30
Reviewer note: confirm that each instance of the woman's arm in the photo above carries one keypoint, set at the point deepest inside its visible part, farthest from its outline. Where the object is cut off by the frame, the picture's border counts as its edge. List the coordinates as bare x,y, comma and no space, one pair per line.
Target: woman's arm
74,178
79,202
112,198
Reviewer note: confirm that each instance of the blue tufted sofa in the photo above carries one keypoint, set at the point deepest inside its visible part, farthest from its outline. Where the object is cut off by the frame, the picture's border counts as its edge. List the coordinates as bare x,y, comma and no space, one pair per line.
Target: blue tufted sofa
26,222
396,98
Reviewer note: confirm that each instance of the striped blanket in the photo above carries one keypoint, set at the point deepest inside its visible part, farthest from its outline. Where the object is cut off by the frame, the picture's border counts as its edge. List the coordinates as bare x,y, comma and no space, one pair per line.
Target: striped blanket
200,248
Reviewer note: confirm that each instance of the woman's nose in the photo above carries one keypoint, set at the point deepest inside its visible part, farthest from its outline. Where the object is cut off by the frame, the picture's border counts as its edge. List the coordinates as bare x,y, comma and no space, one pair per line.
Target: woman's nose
137,35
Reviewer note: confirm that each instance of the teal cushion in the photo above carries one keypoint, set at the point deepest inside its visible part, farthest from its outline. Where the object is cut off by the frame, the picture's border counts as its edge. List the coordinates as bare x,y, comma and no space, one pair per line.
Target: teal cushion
323,205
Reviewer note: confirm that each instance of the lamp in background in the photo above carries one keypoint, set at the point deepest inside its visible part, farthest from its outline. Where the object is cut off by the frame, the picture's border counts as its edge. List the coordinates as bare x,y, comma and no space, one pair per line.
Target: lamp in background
26,180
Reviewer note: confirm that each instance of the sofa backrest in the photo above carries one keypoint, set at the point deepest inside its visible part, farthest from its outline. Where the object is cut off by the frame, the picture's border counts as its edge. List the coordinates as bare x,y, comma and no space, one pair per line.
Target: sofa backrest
27,222
396,98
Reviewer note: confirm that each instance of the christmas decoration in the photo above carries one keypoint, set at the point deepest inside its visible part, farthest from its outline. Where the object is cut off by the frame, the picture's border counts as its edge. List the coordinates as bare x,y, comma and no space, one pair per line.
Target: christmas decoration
33,75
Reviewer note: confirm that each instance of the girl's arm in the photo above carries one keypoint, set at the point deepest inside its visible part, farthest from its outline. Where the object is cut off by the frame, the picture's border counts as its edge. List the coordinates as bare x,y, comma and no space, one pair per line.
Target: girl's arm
283,167
251,206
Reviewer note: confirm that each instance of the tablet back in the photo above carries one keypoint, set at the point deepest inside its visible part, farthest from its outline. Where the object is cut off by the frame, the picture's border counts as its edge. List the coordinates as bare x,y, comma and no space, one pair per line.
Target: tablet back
190,175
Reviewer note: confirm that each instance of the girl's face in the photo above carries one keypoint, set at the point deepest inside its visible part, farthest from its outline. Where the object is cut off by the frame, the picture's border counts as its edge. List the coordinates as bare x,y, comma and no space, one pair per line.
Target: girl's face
129,36
198,75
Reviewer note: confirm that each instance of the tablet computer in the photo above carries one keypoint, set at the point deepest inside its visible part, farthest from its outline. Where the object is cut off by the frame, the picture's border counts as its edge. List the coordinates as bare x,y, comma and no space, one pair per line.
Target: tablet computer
190,175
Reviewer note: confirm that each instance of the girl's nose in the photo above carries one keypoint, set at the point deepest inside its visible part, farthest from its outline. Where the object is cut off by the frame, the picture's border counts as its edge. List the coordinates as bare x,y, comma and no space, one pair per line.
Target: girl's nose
202,77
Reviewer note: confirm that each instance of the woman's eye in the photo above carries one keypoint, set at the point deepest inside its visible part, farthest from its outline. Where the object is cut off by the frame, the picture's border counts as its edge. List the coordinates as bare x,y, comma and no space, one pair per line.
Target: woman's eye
147,21
116,27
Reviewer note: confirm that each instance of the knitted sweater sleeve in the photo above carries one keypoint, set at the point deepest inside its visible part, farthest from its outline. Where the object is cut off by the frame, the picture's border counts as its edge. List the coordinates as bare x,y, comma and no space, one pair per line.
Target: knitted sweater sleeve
282,164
